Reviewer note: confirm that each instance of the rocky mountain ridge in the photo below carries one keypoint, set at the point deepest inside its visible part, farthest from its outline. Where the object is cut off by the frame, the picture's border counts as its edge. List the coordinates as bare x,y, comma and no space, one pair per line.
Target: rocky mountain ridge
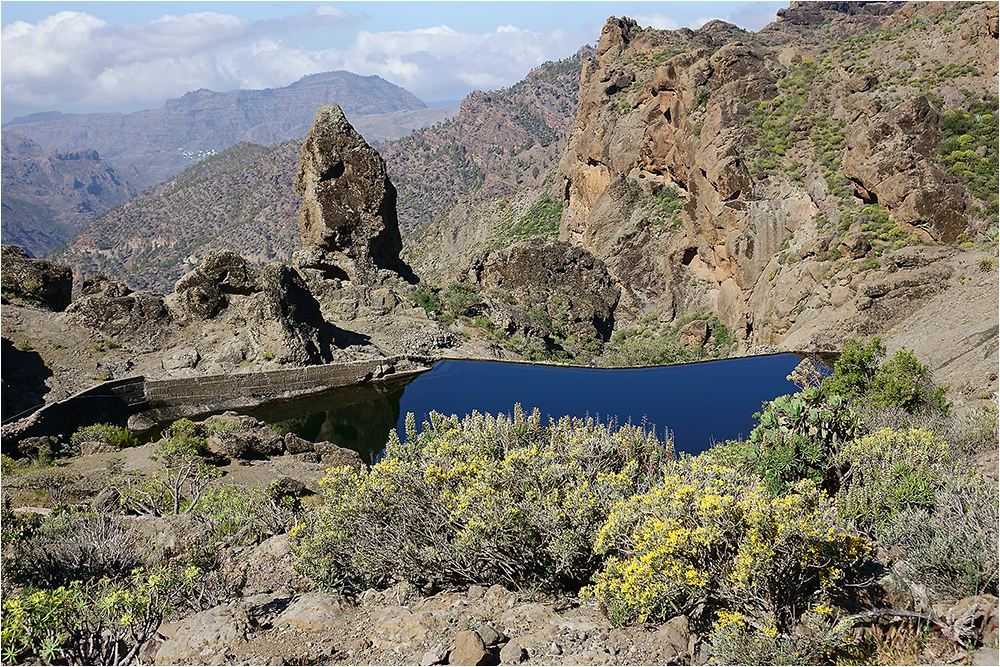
162,142
49,195
806,166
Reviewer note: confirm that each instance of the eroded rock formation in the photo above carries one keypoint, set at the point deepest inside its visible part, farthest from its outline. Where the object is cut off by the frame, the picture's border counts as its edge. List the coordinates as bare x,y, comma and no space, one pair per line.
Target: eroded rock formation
34,282
348,216
269,307
541,286
792,163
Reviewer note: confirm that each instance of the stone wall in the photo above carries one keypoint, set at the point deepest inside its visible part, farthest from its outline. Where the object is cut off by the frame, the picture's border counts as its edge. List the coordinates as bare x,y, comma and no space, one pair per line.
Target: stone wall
143,403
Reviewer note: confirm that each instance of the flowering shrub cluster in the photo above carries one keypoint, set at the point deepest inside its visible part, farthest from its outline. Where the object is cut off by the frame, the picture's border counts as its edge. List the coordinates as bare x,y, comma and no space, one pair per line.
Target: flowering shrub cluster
890,471
103,622
708,535
481,499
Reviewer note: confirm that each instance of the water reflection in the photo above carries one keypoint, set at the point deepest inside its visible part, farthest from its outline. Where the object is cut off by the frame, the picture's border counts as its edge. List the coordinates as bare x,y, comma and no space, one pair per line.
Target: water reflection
359,417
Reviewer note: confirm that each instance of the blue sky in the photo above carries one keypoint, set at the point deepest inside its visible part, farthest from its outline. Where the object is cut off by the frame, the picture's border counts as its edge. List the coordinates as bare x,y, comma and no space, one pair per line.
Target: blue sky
82,57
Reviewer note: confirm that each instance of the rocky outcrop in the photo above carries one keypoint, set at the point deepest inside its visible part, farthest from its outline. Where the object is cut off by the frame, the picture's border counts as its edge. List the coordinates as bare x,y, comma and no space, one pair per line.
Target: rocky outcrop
888,157
34,282
759,176
544,288
348,217
138,320
269,307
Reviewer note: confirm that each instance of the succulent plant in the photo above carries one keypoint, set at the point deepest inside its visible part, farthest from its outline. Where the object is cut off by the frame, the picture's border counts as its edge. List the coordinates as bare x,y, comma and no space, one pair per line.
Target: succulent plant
798,437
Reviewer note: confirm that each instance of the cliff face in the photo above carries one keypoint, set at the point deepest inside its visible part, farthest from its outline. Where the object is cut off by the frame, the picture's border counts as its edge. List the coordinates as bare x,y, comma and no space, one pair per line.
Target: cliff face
49,196
776,177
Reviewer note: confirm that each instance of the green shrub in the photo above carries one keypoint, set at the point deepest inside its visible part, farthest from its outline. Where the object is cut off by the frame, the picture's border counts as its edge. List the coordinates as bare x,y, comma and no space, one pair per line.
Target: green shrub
461,299
710,535
178,485
542,219
245,515
642,347
427,298
736,641
101,623
859,373
116,436
889,471
951,548
798,437
482,499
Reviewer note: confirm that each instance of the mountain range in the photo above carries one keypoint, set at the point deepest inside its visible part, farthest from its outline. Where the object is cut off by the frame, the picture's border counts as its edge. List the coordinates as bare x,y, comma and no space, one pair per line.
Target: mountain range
148,147
242,199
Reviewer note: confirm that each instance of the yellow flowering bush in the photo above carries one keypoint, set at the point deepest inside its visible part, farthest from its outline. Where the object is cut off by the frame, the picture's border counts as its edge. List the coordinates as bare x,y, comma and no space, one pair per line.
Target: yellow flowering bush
481,499
102,622
890,471
710,534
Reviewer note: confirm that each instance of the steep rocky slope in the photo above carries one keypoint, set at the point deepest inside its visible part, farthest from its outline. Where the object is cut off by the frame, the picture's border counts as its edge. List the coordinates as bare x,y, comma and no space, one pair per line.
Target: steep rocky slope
486,178
162,142
803,170
241,200
49,196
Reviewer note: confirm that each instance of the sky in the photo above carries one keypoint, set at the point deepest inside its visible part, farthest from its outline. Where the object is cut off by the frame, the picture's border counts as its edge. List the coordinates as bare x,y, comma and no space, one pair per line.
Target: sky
87,57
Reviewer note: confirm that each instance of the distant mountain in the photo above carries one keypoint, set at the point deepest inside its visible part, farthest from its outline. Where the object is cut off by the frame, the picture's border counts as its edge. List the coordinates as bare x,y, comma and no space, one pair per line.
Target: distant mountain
49,196
163,142
240,199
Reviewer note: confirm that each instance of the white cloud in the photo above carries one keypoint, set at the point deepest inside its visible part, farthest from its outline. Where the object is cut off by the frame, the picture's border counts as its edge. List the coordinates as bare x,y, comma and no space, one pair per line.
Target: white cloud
430,61
656,20
74,62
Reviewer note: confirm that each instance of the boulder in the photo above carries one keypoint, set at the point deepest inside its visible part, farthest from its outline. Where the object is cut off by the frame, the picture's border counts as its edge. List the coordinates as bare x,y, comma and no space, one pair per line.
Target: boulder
296,445
694,334
139,320
513,653
313,612
435,656
204,637
854,246
34,282
332,455
556,288
490,635
348,220
252,443
469,649
675,635
204,291
271,304
891,156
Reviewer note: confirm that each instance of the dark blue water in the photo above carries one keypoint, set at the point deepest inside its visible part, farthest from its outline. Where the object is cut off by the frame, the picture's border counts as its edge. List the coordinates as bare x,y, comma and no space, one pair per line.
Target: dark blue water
698,403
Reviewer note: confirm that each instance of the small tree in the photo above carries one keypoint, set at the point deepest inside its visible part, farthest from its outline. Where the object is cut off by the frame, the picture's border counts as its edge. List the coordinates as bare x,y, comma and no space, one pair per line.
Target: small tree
183,476
901,381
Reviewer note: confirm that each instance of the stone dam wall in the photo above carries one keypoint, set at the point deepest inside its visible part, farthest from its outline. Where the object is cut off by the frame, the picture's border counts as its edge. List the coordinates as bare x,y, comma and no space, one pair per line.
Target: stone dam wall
143,403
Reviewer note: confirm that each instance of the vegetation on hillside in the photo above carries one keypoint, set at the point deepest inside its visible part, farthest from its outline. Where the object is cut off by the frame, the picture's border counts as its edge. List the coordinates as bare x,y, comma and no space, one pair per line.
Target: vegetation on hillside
434,168
241,200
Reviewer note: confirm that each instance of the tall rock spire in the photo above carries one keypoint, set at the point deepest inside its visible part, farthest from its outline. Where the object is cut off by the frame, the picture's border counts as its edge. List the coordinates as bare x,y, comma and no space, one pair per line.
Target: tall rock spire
348,218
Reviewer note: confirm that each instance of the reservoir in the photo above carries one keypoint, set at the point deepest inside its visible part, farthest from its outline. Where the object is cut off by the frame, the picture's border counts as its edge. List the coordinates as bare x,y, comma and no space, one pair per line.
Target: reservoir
698,403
